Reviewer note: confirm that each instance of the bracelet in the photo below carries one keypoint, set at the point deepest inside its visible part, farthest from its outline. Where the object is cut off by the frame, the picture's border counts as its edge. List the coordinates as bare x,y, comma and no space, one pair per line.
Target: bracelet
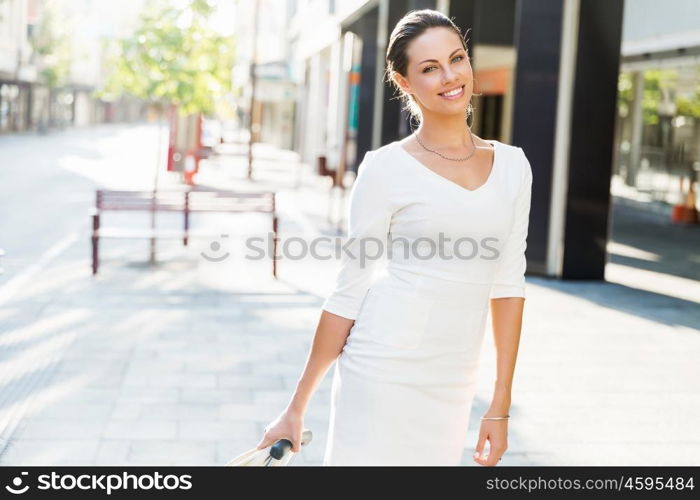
495,418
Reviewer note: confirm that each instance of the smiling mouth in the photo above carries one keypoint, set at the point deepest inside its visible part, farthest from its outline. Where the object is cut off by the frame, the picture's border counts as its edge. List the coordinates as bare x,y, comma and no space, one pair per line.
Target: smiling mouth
453,93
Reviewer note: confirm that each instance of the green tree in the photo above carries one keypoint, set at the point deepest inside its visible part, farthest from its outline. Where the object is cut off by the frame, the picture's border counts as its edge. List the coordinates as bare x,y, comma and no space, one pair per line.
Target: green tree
690,106
173,57
625,96
657,82
52,42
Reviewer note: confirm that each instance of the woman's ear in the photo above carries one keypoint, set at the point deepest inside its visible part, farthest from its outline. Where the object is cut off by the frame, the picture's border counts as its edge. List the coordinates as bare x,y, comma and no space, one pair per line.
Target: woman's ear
402,82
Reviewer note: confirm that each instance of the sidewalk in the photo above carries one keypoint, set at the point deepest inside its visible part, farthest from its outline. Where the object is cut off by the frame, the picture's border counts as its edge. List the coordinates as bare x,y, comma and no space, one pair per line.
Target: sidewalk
185,363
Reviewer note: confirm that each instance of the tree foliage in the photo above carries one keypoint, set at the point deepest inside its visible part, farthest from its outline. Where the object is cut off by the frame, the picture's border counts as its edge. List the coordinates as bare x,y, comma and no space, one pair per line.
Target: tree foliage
659,86
52,42
690,106
173,57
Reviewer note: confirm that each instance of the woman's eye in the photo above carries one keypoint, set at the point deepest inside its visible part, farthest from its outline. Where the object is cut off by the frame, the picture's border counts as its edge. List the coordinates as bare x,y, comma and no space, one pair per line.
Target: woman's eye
425,70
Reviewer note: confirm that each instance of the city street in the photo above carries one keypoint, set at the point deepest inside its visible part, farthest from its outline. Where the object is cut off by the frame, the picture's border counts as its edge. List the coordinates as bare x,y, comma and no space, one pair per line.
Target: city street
185,362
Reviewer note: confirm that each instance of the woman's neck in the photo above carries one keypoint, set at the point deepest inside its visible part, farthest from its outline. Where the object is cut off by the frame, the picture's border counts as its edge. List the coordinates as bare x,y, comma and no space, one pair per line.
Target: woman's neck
445,132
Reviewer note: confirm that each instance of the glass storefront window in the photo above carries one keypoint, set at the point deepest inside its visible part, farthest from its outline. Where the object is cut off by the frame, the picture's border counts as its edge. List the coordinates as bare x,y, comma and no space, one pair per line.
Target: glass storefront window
658,133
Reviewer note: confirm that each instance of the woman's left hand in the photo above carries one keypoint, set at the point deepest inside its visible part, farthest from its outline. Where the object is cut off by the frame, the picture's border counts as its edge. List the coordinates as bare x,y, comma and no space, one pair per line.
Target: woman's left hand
496,432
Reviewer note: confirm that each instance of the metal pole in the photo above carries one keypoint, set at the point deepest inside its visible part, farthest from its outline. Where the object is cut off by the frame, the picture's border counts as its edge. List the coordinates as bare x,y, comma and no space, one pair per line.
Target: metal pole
152,257
253,79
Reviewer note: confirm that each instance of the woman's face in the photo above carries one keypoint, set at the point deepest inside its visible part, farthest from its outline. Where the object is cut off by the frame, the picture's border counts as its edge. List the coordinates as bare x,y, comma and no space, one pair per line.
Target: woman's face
438,64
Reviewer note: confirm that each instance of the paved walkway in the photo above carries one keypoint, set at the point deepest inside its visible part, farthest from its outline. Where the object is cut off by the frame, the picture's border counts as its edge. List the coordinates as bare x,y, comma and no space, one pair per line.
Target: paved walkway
186,362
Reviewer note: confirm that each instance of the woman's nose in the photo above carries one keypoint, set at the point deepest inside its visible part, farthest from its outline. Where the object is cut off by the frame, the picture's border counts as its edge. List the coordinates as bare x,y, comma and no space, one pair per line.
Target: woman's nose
448,75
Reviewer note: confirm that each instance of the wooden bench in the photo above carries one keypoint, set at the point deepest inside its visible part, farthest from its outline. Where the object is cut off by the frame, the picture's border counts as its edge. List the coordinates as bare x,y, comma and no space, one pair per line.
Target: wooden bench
185,201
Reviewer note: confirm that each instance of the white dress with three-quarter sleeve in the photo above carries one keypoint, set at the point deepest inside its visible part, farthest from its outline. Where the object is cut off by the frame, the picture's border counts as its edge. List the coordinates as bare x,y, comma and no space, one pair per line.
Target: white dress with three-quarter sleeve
424,256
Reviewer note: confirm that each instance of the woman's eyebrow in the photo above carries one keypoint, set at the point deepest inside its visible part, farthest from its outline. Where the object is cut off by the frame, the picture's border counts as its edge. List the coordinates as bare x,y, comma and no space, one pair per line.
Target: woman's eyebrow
435,60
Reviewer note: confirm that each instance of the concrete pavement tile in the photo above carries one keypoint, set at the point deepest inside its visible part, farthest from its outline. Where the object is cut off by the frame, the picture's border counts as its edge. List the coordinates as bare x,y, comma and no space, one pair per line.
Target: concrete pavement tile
105,355
81,394
211,429
172,452
258,382
149,394
158,363
92,366
104,380
220,396
59,409
217,364
254,353
144,429
112,452
127,410
571,430
250,411
180,411
640,454
61,428
169,380
50,452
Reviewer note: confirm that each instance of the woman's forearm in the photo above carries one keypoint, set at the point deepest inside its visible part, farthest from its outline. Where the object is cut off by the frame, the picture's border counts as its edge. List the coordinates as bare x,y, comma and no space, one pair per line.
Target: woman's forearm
507,315
330,337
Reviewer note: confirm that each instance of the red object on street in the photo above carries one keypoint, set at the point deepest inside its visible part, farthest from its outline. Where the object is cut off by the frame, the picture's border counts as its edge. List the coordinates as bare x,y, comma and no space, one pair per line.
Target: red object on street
683,214
185,148
677,213
189,178
191,167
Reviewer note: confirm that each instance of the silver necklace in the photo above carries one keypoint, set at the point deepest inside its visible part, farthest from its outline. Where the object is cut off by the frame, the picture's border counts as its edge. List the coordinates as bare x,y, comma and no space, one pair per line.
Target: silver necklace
445,157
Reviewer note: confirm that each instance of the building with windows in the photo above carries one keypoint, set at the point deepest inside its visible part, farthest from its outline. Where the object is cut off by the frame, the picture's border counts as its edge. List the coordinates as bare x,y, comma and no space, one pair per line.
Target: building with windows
29,99
658,134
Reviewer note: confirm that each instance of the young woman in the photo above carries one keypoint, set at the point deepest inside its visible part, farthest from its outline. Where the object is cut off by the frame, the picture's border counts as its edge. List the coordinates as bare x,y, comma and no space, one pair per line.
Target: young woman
407,343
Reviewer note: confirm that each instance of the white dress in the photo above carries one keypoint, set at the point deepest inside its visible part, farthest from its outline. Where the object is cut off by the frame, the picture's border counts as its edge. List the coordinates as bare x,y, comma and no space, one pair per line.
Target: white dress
404,383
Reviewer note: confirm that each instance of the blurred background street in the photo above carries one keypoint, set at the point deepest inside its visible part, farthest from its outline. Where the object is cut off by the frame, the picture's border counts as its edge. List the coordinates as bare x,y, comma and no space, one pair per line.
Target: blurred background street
182,359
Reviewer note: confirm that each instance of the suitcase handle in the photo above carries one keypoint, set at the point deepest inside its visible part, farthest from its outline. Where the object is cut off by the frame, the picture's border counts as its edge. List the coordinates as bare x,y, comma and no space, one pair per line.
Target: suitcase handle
282,446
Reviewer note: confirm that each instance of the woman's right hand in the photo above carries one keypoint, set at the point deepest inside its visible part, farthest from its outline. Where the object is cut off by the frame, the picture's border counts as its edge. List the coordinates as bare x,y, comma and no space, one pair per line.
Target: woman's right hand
288,425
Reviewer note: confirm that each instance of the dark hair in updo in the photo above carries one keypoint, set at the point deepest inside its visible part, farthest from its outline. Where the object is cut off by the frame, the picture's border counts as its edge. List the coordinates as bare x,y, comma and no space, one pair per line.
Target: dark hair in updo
409,27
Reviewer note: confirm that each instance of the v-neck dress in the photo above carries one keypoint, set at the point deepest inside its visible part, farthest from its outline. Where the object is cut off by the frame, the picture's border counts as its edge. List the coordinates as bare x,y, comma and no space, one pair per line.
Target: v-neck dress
424,256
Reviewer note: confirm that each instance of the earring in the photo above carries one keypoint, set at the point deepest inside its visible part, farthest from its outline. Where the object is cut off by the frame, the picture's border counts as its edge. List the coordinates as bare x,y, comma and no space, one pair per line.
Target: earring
470,112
